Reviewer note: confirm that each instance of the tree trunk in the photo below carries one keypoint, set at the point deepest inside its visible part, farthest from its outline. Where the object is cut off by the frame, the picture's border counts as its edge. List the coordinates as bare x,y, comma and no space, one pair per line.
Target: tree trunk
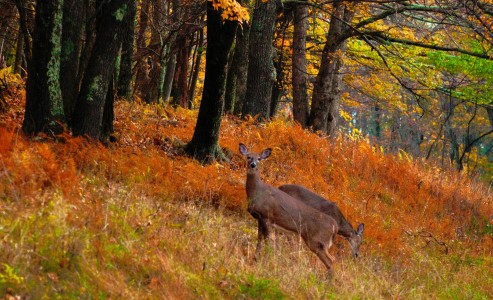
89,37
141,72
299,66
44,107
326,91
19,53
277,88
162,76
448,106
375,128
204,145
73,20
240,63
151,92
230,93
180,89
169,77
88,114
261,71
196,67
108,113
125,78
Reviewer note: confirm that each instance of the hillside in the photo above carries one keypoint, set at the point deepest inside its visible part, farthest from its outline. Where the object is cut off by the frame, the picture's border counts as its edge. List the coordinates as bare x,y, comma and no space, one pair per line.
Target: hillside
138,220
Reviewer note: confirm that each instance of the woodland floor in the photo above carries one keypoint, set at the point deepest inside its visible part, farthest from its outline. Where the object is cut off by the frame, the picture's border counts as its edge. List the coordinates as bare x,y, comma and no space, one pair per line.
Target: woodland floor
139,220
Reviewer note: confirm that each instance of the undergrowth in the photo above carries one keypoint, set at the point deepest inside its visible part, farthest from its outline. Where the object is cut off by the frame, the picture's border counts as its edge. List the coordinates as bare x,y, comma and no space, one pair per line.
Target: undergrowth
139,220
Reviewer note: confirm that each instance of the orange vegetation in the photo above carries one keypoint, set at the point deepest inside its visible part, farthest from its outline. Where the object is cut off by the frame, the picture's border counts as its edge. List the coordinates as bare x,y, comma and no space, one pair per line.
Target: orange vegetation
403,202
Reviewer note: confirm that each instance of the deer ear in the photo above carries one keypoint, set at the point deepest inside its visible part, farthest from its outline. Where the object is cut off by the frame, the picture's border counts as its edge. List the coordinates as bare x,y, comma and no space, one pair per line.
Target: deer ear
243,149
360,229
266,153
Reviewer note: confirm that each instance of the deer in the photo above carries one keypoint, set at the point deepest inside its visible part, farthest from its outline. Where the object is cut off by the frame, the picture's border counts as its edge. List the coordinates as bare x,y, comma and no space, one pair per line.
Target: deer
272,207
354,237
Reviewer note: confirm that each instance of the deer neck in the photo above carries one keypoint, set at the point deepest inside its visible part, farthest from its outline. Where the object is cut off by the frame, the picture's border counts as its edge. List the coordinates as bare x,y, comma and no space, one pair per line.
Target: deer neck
253,183
346,230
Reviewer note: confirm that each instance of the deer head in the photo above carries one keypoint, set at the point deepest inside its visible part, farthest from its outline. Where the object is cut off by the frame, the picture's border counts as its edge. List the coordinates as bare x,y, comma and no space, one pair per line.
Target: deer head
355,240
253,159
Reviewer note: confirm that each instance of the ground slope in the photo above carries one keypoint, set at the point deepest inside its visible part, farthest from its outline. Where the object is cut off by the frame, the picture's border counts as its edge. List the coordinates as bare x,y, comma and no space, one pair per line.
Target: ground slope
137,219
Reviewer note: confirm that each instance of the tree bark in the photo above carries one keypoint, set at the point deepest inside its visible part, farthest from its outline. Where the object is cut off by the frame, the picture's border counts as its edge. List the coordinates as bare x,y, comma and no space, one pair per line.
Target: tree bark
19,53
196,67
108,113
230,94
88,114
299,66
125,78
240,63
326,91
204,145
151,91
44,106
73,20
261,71
89,37
169,77
180,89
141,68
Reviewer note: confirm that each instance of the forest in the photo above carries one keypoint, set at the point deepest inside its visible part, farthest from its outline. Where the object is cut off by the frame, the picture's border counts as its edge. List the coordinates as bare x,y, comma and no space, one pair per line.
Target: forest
121,176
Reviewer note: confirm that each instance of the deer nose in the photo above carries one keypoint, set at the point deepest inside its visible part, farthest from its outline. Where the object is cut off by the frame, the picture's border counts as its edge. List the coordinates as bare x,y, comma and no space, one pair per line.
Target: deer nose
355,255
253,165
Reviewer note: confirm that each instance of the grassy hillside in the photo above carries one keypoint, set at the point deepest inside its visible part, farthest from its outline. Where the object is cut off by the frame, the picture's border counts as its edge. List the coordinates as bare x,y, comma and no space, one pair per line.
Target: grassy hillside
138,220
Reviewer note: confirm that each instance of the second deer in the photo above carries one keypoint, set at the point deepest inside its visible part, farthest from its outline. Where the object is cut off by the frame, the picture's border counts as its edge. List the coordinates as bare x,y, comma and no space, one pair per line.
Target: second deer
310,198
271,206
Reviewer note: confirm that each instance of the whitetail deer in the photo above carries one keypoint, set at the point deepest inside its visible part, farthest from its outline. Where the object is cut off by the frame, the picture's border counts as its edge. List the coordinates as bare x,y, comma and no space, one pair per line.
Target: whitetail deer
271,206
311,199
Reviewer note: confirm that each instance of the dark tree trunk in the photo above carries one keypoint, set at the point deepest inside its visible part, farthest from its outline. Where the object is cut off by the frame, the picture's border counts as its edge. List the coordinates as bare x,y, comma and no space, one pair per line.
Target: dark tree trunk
89,37
261,71
180,89
108,113
240,64
204,145
44,107
299,73
326,91
19,55
125,78
230,94
88,114
73,20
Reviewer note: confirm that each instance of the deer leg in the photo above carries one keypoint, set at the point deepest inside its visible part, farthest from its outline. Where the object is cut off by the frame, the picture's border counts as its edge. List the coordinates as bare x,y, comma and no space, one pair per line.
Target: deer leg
263,234
322,251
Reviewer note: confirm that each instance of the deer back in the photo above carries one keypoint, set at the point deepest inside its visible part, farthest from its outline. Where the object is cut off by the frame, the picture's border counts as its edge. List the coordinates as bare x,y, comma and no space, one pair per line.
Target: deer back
318,202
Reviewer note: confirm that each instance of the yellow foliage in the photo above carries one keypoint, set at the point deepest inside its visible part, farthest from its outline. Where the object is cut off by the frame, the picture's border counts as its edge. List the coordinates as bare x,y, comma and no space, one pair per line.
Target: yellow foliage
231,10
